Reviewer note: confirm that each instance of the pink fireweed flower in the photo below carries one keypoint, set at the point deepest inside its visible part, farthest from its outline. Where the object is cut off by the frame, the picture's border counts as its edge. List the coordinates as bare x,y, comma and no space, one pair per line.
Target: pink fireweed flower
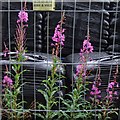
87,47
59,36
21,30
7,81
79,69
23,16
95,91
111,92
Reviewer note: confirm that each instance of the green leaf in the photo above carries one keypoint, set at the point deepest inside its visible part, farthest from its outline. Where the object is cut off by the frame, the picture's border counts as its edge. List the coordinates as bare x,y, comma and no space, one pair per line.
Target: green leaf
99,116
9,92
20,103
7,72
108,118
41,116
42,106
63,113
80,115
55,88
53,103
23,72
44,94
17,91
45,81
23,84
67,105
53,114
53,93
46,87
18,67
8,104
71,96
112,112
17,76
14,68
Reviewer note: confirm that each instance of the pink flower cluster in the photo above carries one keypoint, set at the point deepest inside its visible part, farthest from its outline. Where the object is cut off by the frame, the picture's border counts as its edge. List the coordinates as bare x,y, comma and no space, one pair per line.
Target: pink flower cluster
81,70
95,91
21,30
87,47
7,81
23,16
59,36
111,92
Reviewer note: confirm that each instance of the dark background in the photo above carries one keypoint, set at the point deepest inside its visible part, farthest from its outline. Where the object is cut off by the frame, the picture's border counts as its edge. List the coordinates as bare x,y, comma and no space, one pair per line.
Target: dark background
102,24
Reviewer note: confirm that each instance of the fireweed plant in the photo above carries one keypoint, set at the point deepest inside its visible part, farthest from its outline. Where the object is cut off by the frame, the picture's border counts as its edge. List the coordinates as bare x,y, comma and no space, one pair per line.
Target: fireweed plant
12,104
106,103
51,89
76,103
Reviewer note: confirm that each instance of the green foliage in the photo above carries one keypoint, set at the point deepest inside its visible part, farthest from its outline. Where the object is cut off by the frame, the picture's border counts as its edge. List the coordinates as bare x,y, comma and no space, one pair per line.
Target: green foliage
107,106
76,106
49,93
11,97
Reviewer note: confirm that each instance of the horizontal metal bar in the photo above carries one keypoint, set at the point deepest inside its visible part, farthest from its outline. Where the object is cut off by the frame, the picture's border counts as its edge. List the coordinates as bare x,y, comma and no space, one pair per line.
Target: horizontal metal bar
4,62
62,0
82,11
32,110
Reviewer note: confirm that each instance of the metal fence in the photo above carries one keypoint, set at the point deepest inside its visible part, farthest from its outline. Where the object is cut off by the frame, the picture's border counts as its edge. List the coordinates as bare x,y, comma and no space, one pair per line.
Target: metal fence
102,19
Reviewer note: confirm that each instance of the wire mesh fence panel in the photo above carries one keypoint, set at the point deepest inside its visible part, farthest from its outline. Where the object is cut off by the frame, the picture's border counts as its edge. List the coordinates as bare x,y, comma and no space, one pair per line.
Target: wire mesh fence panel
61,63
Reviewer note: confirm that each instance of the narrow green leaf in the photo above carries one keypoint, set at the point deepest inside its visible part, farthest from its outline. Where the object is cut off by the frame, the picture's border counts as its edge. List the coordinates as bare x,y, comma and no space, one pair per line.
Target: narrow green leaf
108,118
40,106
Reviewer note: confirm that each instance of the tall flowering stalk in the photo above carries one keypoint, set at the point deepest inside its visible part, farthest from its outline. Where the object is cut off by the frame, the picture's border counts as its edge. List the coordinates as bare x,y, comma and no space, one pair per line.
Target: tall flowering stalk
12,88
111,90
81,71
20,36
51,88
112,95
76,98
59,37
107,102
95,91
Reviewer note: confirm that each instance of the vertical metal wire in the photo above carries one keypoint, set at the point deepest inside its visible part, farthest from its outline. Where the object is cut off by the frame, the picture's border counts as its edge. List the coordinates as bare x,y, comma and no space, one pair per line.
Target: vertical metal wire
9,37
60,56
101,28
73,43
101,31
61,18
88,29
116,15
48,24
9,25
34,64
0,59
